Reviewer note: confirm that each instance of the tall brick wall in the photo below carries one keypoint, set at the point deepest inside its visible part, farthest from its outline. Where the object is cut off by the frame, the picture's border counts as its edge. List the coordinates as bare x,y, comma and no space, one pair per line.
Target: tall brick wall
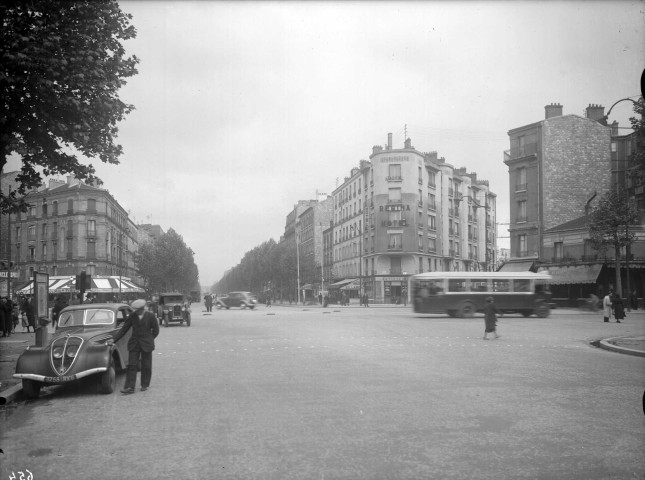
575,163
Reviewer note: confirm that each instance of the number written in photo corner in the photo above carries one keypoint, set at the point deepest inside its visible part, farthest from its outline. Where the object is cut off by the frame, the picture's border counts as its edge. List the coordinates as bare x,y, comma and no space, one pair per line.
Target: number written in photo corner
26,475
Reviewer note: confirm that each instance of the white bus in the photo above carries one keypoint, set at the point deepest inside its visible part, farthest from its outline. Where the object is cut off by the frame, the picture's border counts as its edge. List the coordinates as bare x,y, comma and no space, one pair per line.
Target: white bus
462,294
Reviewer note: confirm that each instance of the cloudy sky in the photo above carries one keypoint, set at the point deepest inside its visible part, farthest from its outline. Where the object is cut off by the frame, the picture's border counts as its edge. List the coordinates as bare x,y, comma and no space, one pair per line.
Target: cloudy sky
243,108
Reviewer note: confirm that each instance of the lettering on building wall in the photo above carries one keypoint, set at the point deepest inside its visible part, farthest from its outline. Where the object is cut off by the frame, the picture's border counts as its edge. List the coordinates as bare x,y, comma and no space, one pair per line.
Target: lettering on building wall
403,158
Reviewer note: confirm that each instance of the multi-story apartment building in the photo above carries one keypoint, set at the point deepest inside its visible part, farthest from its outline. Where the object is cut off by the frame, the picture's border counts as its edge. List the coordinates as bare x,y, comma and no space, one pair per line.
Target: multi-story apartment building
304,230
405,212
72,226
555,167
8,272
558,168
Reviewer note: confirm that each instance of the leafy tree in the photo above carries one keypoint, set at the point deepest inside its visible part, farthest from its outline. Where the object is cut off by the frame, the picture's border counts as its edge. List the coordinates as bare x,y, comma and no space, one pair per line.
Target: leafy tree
62,66
637,158
609,226
168,264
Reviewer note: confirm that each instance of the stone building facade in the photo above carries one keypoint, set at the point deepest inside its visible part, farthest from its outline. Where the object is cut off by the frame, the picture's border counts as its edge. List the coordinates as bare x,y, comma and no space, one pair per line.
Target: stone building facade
405,212
565,166
72,226
556,166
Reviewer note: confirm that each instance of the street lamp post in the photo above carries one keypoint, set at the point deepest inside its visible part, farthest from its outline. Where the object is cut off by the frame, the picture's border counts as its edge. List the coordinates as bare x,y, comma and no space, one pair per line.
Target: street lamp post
298,256
603,121
360,256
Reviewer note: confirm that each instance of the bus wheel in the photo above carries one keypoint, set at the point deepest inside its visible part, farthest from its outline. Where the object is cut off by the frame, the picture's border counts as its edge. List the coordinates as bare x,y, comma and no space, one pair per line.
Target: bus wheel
543,310
467,310
526,313
452,313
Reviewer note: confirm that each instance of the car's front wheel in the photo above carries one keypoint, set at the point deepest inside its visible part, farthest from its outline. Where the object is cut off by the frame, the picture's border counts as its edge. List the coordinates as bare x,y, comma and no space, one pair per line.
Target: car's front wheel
108,379
31,388
165,321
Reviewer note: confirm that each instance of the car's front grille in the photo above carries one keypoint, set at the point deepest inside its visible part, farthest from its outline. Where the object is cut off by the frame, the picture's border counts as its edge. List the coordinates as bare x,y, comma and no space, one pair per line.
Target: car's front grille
64,351
176,311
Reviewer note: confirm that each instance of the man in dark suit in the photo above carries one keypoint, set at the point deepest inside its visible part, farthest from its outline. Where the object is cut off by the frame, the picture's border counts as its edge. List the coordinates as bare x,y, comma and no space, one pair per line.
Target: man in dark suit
140,346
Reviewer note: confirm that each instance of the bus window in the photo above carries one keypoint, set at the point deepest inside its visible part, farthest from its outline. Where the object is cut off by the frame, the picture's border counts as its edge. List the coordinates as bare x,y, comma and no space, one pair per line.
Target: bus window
427,288
478,286
457,285
521,285
501,285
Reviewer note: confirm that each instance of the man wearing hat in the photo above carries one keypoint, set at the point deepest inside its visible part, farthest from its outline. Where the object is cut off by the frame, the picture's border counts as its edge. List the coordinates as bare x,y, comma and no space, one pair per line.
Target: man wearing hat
140,346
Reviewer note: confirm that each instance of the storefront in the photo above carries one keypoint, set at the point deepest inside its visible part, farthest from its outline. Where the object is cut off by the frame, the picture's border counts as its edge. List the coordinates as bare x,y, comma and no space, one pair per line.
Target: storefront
388,288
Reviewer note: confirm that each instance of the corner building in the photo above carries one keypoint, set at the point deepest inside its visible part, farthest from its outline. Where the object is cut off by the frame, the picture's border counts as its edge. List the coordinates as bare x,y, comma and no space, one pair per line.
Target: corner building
405,212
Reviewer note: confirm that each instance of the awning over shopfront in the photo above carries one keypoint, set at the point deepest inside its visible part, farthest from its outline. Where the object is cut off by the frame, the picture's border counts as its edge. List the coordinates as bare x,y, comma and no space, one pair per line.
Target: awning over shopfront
573,275
351,286
342,283
308,286
516,267
67,284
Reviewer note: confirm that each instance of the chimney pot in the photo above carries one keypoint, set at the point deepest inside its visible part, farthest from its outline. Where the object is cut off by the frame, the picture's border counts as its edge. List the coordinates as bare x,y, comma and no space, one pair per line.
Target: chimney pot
552,110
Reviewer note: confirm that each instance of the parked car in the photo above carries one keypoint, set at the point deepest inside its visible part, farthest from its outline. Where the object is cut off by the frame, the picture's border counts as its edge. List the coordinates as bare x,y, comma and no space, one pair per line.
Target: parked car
172,307
236,299
80,347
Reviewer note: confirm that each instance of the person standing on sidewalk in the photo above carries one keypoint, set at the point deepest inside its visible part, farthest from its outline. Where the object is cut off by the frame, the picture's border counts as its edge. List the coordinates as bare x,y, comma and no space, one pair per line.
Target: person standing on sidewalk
145,329
490,318
606,306
618,307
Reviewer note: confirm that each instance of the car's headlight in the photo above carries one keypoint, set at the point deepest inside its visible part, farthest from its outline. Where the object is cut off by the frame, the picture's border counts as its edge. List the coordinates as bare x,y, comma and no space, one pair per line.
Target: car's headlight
71,351
57,352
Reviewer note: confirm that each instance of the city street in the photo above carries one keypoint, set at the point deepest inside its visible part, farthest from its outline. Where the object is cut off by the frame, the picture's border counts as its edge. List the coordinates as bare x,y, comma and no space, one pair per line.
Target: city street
351,393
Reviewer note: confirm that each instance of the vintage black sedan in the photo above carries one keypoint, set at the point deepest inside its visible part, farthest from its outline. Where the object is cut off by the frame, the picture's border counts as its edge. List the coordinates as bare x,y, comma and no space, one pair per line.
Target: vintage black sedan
81,346
237,299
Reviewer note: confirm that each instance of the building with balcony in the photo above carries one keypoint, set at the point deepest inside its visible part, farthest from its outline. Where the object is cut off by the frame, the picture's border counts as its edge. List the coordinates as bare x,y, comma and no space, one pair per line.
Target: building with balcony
558,169
555,167
405,212
72,226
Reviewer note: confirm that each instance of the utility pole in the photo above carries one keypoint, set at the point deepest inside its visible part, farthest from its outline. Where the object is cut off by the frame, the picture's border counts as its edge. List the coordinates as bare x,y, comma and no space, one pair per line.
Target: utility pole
298,255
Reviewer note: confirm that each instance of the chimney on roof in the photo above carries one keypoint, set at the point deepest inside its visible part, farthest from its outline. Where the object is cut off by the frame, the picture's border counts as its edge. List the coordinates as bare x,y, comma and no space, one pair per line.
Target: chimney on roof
553,110
376,149
408,143
55,183
389,141
595,112
614,128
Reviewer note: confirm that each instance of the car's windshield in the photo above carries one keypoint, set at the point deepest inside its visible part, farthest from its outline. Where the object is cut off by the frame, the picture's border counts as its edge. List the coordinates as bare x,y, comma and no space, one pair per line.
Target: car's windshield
173,299
92,316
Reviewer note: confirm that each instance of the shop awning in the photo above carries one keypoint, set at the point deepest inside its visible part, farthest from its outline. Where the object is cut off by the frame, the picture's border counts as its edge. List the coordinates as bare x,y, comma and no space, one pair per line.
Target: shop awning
351,286
67,284
516,267
573,275
342,283
308,286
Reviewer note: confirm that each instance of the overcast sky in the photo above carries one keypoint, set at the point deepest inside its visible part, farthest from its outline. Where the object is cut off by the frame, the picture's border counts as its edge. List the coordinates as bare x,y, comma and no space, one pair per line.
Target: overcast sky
244,108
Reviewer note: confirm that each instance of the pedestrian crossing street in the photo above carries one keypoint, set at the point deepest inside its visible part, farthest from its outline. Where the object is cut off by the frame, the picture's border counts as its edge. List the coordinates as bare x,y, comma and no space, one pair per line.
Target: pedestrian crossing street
295,344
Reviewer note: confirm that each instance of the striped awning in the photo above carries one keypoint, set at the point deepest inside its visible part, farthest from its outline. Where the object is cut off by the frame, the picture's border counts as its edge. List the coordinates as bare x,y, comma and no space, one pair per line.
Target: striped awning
112,284
574,275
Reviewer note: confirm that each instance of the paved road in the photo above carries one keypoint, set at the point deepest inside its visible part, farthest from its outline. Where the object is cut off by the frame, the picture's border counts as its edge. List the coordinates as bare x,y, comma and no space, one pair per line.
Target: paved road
289,393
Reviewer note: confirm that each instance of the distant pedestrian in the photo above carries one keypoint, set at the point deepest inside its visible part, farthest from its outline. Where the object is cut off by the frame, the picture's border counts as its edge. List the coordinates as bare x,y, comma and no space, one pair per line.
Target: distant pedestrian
140,346
5,317
30,311
606,306
618,307
366,300
490,318
633,300
208,302
59,304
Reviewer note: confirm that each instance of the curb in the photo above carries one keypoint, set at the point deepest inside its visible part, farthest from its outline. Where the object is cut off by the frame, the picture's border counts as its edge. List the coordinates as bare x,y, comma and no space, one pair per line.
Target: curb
615,348
10,394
